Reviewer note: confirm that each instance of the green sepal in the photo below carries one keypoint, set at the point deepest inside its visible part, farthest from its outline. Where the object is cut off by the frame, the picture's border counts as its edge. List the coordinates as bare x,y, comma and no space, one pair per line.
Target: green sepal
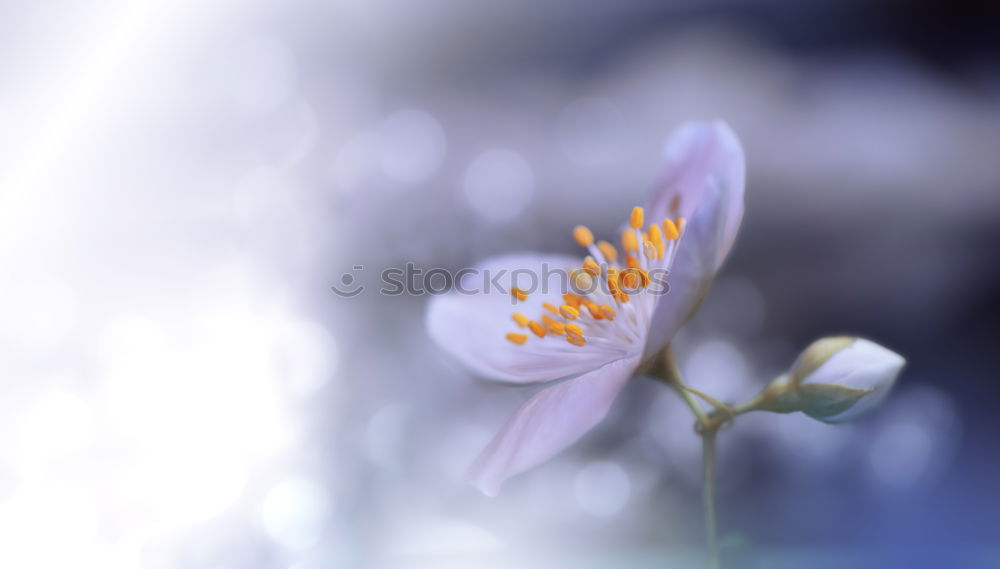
823,400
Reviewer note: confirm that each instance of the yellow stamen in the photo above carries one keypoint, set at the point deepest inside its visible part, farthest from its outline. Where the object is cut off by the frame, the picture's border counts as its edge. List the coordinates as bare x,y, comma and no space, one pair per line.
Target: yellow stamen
622,297
656,236
629,280
629,242
612,281
634,278
582,280
631,262
655,233
537,328
554,326
519,294
595,311
572,299
569,312
521,319
574,329
608,312
636,218
681,223
591,267
608,250
576,340
583,236
518,339
670,230
551,308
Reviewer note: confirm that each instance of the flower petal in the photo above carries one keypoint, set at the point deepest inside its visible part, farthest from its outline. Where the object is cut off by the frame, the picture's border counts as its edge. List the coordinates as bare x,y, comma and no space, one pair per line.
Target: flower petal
471,322
696,154
553,419
703,182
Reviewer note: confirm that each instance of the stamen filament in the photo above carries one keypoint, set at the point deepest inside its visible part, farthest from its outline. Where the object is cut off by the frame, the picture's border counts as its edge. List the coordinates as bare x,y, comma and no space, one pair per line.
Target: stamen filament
608,250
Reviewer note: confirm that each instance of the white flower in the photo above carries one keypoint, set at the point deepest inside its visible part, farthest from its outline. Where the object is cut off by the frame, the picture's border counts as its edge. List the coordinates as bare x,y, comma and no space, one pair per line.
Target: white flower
596,334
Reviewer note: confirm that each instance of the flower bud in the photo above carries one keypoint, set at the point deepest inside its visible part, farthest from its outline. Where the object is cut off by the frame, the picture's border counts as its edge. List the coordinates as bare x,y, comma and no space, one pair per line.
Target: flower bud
835,379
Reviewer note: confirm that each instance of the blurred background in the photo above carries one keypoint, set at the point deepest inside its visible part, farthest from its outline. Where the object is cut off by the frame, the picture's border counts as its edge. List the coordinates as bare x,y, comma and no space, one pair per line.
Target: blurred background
181,183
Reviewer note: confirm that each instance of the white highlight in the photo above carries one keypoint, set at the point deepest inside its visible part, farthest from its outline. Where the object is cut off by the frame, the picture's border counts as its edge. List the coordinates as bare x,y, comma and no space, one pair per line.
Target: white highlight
384,435
40,312
413,146
295,512
900,454
60,425
257,74
718,367
602,488
499,184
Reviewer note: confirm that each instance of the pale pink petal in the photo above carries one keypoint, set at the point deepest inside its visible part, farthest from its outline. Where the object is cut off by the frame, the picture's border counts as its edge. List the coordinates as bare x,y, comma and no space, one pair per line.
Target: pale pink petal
703,181
553,419
472,326
697,155
690,275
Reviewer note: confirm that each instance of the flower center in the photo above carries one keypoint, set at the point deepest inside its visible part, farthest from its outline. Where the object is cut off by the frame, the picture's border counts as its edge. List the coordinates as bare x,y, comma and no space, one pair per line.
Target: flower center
612,295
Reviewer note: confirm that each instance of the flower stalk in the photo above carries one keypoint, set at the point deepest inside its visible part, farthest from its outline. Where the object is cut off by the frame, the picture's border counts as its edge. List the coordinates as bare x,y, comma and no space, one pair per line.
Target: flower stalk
708,496
707,427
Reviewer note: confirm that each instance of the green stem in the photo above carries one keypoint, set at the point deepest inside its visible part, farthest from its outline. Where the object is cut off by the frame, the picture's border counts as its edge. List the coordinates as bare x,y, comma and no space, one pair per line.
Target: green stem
719,405
708,497
664,367
672,376
703,418
708,427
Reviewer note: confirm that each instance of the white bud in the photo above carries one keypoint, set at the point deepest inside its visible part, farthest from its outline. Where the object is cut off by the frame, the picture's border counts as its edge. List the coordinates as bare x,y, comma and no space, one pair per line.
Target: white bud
835,379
